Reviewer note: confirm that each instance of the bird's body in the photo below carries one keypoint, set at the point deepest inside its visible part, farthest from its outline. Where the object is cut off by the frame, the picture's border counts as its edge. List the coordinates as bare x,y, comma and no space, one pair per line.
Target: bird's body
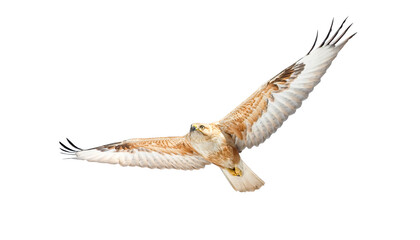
214,146
220,143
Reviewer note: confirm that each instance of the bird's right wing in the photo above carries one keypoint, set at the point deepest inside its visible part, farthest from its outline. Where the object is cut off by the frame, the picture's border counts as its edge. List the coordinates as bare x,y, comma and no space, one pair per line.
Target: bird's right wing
260,115
169,152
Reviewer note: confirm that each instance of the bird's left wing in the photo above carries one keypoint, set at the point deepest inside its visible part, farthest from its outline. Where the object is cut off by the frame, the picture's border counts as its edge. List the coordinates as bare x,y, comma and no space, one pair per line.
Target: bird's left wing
169,152
260,115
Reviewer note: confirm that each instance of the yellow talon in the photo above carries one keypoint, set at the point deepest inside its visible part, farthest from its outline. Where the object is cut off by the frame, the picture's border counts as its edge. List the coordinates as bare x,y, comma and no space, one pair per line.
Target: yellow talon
231,171
238,172
235,171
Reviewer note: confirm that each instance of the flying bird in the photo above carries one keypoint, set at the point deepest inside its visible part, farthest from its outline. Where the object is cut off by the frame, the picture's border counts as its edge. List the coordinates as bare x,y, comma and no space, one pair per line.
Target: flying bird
221,142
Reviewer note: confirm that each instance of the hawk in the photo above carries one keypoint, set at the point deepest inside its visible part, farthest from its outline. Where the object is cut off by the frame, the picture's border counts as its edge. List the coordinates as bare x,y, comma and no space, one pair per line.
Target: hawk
221,142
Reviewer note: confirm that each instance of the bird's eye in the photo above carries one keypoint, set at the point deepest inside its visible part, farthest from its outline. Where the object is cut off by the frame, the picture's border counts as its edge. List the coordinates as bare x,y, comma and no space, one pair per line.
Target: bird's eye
201,126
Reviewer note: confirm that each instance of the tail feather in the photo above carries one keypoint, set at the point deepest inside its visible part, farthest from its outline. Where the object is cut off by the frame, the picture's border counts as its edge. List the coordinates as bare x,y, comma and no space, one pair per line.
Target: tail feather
248,182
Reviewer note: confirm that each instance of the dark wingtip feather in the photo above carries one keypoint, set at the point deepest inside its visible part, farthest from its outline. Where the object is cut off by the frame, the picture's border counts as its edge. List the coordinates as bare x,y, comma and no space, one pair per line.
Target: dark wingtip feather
64,150
333,40
329,31
72,144
64,146
67,149
338,30
312,48
351,36
336,41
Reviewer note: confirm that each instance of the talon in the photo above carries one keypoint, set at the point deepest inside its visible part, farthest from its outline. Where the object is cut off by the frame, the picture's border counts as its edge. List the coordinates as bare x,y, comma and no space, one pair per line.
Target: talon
238,172
235,171
231,171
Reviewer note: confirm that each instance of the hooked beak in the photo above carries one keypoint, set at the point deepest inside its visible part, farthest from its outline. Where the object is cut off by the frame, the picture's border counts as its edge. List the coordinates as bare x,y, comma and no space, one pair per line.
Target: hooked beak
193,127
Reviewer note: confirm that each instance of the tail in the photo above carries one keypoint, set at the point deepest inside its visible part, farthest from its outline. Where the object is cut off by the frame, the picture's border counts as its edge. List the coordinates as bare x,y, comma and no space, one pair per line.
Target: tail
248,182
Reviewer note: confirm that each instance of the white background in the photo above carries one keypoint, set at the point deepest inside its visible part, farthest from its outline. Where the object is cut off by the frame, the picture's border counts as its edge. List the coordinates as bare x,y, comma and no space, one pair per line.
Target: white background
345,166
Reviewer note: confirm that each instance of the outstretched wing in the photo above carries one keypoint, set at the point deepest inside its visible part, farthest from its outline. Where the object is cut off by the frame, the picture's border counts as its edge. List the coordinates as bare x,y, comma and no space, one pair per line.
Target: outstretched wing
260,115
170,152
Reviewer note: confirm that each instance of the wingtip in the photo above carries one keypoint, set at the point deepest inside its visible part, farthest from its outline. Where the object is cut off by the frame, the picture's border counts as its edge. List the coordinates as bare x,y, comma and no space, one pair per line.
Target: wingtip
328,34
344,33
352,35
70,148
72,144
313,46
334,39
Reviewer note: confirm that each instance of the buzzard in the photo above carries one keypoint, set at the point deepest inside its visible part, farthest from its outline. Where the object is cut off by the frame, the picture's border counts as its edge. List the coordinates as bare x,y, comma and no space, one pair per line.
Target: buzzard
221,142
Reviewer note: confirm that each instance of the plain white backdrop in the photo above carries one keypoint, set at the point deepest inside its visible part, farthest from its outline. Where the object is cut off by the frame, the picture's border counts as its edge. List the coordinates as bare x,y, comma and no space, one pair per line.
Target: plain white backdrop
345,166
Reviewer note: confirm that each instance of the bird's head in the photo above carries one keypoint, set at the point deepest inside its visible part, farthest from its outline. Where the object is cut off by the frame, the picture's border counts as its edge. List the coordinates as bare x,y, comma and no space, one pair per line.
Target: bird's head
201,128
204,132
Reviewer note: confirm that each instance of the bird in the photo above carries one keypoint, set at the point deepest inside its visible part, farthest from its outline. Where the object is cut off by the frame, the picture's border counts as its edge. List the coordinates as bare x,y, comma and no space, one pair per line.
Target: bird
221,142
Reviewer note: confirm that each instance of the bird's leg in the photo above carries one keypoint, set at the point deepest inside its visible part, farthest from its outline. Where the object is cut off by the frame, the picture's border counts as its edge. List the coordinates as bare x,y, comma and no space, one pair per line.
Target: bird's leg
231,171
238,172
235,171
